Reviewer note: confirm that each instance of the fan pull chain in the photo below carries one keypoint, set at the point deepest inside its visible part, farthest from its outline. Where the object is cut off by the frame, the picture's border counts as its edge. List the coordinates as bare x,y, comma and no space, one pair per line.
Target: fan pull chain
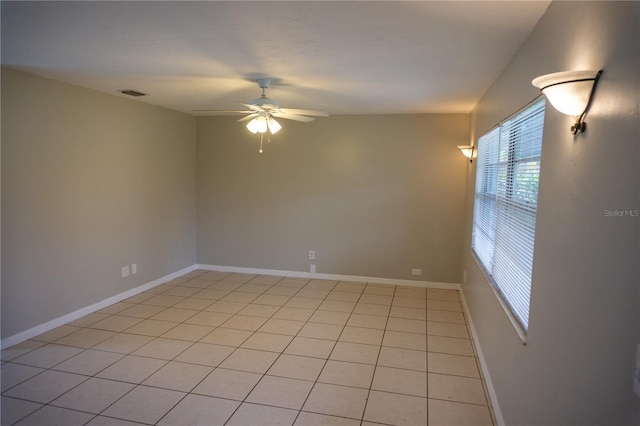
261,137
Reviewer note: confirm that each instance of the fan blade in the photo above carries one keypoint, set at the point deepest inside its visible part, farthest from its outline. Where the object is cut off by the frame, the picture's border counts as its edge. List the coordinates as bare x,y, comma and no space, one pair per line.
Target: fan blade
248,117
293,117
314,112
223,111
252,107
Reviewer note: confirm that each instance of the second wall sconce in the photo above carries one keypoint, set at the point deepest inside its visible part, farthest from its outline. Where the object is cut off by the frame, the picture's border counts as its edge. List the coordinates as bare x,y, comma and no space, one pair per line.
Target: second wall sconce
570,92
467,151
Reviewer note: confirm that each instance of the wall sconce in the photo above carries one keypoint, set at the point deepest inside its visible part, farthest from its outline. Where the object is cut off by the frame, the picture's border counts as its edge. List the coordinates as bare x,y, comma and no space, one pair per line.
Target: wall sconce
467,151
570,92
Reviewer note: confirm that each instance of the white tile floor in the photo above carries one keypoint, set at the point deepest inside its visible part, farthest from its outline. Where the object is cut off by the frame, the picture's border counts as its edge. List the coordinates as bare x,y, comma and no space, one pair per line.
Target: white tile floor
213,348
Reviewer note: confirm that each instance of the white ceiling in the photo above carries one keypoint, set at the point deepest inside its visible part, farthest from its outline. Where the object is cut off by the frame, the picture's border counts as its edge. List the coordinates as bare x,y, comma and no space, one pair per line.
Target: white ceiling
344,57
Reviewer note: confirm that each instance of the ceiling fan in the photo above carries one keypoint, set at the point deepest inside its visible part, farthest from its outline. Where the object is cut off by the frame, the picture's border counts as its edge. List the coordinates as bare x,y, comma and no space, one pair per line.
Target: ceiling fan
263,111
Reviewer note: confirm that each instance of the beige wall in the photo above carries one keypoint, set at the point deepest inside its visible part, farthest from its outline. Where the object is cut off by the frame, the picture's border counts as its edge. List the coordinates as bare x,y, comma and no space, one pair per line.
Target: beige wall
373,195
585,316
90,182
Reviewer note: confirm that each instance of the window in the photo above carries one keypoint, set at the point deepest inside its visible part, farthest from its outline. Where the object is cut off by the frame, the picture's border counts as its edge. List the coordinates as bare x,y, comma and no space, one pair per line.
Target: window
506,199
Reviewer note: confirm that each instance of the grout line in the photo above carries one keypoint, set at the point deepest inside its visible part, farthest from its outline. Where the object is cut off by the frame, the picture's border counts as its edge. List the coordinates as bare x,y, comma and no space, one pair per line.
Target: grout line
426,307
375,368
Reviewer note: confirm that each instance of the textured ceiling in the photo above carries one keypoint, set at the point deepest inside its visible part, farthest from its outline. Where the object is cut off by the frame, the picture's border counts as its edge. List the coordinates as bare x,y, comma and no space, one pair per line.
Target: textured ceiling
343,57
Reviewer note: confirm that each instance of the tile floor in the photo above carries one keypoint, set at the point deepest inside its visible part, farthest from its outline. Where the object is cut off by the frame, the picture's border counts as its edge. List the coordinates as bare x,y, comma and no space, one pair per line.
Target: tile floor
213,348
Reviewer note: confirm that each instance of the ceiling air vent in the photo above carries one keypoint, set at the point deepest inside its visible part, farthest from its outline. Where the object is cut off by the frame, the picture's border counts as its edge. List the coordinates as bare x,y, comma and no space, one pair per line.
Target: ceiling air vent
131,92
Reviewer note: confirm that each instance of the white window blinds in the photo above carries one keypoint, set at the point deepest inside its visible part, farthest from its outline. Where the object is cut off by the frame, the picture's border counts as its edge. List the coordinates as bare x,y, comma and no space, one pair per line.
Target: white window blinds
506,197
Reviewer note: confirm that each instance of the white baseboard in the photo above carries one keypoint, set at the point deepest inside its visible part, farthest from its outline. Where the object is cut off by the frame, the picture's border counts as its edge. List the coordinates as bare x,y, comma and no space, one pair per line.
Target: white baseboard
485,371
50,325
336,277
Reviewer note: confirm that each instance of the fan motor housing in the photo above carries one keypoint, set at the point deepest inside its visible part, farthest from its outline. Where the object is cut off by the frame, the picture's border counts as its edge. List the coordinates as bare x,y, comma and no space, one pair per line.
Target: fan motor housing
264,102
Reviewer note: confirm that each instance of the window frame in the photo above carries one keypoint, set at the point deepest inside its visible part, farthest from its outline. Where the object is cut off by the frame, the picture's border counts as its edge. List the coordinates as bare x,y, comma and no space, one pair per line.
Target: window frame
489,174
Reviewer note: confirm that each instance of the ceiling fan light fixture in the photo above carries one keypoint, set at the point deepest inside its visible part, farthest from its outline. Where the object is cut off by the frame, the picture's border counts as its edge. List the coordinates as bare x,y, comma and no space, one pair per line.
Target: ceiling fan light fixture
252,126
261,113
274,126
258,125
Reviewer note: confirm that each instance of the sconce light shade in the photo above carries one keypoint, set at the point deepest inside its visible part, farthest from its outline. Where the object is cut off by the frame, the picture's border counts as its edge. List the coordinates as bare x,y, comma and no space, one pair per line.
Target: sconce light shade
467,151
570,92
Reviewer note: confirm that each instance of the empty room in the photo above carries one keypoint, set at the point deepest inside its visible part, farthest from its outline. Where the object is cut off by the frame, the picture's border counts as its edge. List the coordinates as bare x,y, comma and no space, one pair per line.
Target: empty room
320,213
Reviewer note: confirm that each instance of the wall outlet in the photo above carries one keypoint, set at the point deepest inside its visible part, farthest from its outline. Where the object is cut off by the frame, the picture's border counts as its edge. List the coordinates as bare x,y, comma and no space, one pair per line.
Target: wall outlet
134,268
312,268
312,254
416,272
125,271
